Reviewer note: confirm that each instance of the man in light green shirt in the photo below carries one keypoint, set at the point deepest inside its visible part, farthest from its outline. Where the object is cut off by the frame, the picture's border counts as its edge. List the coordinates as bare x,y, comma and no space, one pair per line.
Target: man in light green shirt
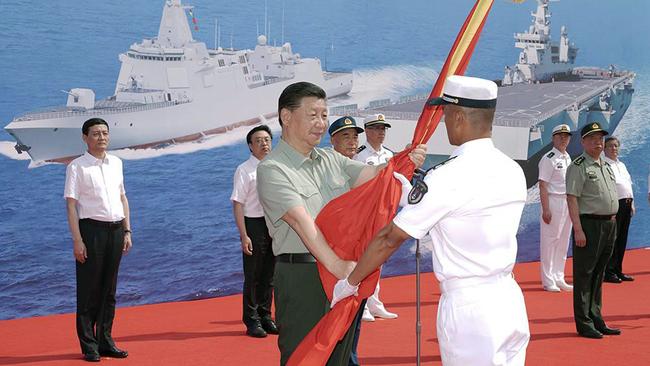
294,182
593,203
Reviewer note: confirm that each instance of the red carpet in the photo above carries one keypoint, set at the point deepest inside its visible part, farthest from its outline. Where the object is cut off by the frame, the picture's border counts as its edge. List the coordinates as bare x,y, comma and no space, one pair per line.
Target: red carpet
209,332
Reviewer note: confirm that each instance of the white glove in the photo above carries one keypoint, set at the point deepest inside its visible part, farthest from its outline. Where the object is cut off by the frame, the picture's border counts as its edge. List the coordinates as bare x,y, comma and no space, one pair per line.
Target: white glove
406,189
343,289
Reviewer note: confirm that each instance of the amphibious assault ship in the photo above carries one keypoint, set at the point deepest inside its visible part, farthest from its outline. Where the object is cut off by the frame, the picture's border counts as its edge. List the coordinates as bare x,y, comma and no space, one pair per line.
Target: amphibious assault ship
172,88
542,90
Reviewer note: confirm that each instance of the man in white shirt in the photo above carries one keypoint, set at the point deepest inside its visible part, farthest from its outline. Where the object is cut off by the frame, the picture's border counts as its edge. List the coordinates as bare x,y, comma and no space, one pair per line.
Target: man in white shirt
257,256
614,271
98,216
472,211
555,225
375,153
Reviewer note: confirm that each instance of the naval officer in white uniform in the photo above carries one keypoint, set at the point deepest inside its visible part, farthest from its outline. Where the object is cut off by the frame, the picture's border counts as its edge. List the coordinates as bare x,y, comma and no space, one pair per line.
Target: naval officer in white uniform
555,224
472,211
375,153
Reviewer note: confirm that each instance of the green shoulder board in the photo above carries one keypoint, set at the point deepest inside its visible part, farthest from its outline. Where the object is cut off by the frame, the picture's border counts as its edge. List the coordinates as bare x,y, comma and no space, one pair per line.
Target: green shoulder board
579,160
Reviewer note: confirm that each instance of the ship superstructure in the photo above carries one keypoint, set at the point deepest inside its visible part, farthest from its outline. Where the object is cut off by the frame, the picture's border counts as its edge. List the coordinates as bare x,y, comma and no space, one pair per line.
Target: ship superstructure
526,111
172,88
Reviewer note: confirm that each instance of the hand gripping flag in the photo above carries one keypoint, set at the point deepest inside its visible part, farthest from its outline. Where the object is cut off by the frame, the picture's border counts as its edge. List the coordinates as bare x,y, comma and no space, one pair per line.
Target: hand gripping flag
350,221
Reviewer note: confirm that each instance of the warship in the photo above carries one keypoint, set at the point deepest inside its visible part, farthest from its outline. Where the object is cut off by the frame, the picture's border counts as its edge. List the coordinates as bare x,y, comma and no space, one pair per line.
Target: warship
172,88
542,90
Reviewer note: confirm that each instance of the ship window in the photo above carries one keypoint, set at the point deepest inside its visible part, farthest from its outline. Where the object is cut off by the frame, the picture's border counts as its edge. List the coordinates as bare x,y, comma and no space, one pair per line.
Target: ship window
242,59
245,70
555,59
222,63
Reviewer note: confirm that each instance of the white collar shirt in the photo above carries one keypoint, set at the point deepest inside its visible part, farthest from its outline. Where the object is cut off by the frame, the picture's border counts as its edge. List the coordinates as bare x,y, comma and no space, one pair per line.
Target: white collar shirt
472,211
371,156
552,170
623,178
244,188
97,185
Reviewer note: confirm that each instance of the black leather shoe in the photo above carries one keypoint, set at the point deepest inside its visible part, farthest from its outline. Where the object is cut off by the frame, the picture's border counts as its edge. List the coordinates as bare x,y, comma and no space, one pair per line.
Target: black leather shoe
256,331
612,278
92,357
609,331
114,353
625,277
269,326
591,333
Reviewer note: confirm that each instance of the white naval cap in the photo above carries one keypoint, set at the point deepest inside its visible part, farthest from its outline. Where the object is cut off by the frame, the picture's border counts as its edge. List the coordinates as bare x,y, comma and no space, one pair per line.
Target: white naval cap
563,128
467,91
375,119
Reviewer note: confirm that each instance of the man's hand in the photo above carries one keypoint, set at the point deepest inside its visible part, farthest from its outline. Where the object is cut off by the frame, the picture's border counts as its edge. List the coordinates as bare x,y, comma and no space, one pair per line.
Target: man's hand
80,252
418,155
580,238
406,189
127,243
247,245
343,289
546,216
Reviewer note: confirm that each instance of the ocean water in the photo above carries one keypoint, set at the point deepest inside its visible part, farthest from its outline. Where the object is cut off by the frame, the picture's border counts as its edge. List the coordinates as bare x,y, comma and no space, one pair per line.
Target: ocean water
185,241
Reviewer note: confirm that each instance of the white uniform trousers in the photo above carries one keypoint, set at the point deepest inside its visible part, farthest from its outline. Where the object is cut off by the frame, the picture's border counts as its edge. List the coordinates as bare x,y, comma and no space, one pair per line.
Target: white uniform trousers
482,321
554,241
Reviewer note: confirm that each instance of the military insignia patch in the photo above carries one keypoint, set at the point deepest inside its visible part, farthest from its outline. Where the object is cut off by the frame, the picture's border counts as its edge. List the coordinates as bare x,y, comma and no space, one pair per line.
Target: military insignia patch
380,117
550,155
579,160
594,125
361,148
440,164
419,189
347,121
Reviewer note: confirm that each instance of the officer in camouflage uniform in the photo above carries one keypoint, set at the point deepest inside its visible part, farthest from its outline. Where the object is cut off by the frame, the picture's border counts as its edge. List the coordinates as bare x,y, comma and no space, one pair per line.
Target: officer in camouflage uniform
593,203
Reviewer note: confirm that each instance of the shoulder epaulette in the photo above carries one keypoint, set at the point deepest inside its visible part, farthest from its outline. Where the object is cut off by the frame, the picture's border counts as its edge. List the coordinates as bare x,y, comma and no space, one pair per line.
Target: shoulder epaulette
579,160
441,164
361,148
389,149
550,155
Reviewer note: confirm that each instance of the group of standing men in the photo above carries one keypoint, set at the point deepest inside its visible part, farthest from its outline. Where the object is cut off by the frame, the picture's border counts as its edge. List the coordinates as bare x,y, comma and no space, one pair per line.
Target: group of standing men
278,193
592,194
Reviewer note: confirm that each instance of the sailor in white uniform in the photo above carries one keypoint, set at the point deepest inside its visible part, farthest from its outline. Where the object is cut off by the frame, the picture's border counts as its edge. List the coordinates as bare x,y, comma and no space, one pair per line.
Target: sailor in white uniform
555,224
472,211
375,153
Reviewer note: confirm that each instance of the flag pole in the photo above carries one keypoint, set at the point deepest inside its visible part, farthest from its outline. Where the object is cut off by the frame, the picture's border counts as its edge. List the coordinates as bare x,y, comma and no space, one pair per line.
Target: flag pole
418,323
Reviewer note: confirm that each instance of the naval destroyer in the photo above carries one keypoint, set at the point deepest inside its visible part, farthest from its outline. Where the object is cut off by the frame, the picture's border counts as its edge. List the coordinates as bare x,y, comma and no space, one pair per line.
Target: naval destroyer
542,90
172,88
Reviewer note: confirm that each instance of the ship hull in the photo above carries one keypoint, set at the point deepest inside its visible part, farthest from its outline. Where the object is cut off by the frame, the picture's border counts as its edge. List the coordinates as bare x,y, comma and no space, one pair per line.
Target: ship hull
58,138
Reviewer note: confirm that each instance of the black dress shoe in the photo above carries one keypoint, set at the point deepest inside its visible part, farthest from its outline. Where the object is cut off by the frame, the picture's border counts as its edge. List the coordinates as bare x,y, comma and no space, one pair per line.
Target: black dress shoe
269,326
625,277
92,357
609,331
256,331
591,333
612,278
114,353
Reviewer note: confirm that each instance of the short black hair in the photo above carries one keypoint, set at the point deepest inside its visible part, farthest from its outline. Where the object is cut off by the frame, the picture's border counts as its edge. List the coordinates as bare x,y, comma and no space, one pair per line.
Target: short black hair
265,128
92,122
610,138
292,95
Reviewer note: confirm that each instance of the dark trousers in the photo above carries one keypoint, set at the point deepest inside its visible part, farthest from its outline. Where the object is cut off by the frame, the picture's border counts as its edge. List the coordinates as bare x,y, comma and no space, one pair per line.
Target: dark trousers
623,218
300,303
96,285
258,273
589,263
354,355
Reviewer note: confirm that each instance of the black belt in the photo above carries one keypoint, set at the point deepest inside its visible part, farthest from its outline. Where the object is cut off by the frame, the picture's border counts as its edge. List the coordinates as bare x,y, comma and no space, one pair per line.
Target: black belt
626,200
598,217
105,224
295,258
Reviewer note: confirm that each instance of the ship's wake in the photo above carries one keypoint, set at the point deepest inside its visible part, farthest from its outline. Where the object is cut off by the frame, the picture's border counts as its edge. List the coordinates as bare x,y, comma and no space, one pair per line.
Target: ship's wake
632,130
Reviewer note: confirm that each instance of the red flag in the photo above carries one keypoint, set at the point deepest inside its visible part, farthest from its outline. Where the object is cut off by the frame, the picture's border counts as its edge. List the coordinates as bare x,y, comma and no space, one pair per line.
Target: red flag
372,206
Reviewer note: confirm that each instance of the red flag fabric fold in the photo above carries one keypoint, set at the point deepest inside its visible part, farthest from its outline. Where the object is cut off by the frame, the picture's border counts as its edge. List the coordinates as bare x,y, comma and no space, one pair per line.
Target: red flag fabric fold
350,221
